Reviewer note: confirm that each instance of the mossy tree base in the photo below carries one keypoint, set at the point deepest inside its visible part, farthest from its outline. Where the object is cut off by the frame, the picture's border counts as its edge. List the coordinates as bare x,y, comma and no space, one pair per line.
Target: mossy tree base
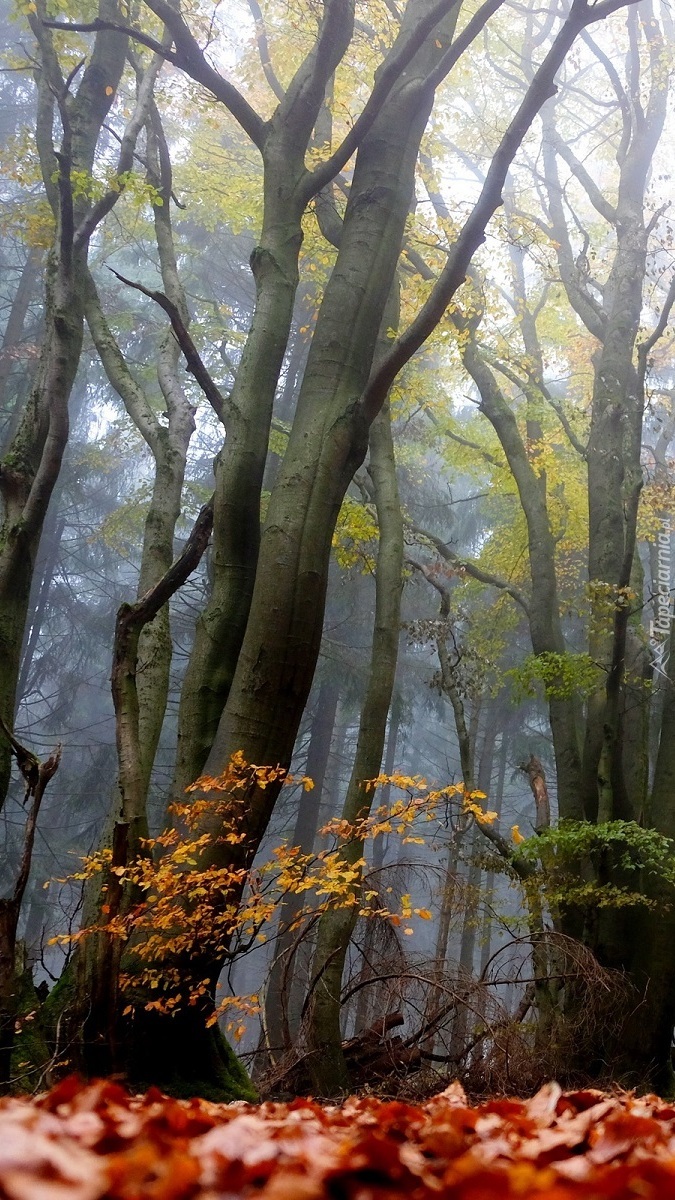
183,1058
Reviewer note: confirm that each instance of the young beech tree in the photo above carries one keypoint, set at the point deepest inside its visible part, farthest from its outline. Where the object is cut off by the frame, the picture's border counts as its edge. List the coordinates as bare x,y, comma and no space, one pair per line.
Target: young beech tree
259,639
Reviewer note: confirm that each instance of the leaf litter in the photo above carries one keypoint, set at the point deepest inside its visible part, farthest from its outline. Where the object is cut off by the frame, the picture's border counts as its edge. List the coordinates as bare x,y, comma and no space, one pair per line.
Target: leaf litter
85,1141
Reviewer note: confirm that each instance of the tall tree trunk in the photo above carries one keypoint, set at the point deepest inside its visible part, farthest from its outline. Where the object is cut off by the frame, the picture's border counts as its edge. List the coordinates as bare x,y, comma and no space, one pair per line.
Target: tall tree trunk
31,464
362,1018
614,445
467,947
544,612
240,465
496,805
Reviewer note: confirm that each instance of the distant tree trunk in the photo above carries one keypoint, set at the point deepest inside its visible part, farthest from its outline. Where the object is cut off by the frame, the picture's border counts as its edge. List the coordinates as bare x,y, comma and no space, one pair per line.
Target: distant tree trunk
328,1067
613,453
281,1012
544,613
496,805
12,338
466,1011
362,1019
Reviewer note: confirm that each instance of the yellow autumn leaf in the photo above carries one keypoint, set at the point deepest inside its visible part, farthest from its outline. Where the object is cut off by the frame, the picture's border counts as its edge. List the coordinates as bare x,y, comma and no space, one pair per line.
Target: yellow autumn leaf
516,835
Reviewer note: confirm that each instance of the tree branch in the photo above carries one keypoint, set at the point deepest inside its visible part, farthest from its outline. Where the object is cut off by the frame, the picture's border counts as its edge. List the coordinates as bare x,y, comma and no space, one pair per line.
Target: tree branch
473,231
125,161
144,610
599,201
264,50
193,360
115,366
403,51
468,566
188,57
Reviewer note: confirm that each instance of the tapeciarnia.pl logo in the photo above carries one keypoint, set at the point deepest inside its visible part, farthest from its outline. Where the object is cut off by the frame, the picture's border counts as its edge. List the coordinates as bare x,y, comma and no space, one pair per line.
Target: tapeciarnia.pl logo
659,628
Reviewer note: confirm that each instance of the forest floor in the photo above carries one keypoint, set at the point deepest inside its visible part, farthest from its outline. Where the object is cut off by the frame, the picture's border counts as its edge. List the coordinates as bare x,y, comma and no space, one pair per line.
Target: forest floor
90,1141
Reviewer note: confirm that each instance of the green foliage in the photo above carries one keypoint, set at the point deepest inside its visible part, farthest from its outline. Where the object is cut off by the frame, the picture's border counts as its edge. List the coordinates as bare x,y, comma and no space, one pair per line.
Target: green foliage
123,528
579,864
563,675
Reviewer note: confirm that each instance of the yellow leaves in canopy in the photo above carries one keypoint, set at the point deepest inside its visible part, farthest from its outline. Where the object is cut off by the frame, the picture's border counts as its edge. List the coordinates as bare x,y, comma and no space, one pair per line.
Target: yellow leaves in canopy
657,501
355,537
473,808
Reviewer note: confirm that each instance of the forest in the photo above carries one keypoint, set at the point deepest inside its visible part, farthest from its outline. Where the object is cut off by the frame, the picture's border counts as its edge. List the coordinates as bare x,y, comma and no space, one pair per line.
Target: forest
337,663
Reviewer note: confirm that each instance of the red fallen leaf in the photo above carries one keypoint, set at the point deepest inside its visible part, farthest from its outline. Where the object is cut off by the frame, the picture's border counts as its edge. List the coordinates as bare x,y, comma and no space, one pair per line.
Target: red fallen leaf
142,1172
543,1106
581,1099
34,1165
624,1133
97,1142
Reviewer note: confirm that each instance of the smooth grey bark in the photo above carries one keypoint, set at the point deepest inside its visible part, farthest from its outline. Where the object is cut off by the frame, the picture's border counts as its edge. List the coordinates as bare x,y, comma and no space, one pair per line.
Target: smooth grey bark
97,977
12,337
543,607
240,465
496,805
140,687
362,1018
470,922
328,436
168,444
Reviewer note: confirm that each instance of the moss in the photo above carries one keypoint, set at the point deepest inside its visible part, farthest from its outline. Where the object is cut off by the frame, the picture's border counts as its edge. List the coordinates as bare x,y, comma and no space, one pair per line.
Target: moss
184,1058
58,1002
30,1053
233,1086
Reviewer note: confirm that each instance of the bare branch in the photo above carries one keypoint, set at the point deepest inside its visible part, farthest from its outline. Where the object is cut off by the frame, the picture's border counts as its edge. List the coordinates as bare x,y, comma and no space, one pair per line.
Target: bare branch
194,362
188,57
473,231
145,609
402,52
464,564
264,50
